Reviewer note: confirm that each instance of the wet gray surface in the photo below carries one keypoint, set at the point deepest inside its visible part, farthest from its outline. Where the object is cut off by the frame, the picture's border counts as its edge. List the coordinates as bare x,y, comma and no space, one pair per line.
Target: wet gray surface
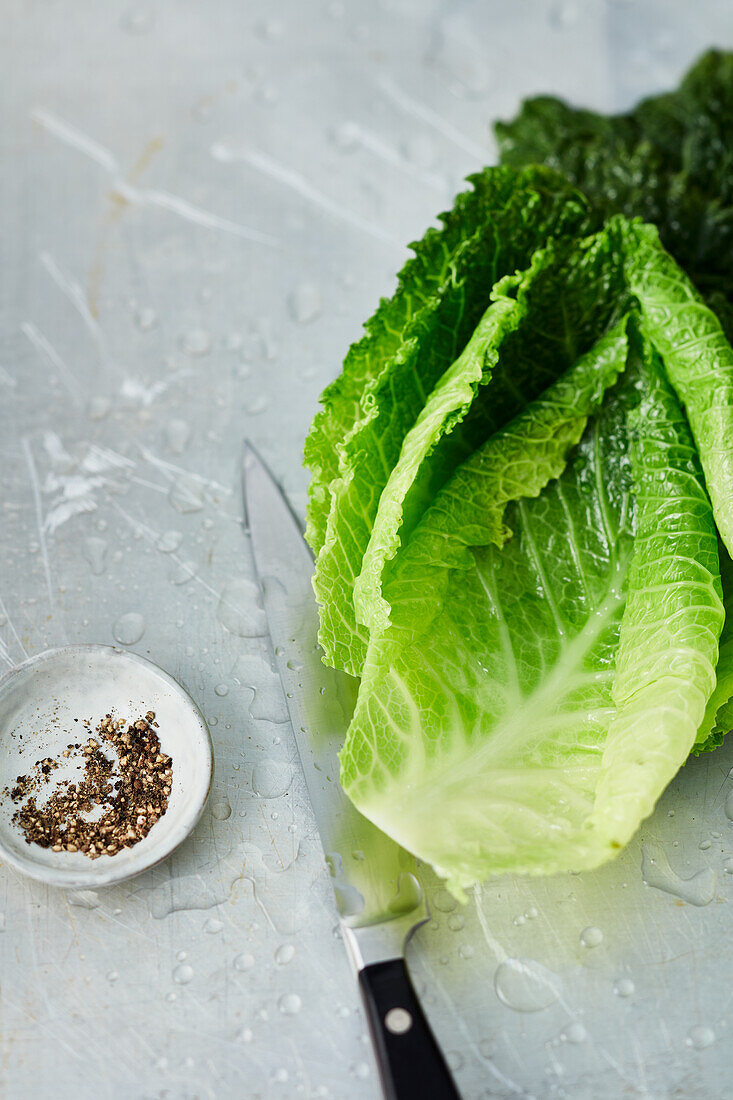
200,205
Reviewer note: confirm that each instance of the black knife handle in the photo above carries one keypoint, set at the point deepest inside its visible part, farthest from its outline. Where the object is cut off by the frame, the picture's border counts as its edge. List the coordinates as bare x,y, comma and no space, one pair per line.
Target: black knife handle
411,1065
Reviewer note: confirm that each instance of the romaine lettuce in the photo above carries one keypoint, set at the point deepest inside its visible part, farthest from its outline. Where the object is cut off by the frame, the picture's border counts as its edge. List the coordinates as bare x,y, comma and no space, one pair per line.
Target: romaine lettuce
522,494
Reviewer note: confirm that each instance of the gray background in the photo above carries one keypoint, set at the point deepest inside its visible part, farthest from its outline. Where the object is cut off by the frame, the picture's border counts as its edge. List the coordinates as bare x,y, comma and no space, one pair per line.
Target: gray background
200,204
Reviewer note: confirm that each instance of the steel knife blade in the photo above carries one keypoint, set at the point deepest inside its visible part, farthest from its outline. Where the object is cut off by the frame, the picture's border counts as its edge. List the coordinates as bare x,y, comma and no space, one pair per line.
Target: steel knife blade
374,878
378,895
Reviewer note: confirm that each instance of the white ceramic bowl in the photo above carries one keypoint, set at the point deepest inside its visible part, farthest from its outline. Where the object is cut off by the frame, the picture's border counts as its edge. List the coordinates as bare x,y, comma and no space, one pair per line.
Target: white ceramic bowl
40,700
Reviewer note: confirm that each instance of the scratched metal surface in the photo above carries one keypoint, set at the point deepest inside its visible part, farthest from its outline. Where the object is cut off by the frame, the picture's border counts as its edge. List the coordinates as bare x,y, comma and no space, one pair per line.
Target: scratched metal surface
200,204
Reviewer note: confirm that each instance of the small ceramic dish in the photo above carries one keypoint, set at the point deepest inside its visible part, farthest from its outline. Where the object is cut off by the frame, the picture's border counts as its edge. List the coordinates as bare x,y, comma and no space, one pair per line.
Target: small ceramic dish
39,701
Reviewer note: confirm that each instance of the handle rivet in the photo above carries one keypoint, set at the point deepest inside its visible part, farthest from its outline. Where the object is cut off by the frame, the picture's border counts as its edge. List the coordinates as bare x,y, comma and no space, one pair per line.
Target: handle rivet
398,1021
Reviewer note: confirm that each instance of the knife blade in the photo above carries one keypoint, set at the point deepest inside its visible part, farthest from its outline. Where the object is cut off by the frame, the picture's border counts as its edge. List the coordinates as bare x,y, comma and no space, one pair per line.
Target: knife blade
379,898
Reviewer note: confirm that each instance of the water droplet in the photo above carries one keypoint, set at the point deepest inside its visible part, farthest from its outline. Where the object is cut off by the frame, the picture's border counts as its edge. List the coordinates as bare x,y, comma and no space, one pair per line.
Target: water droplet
212,926
271,28
456,922
443,901
146,318
306,303
461,65
246,1035
177,435
525,985
257,405
239,609
98,408
729,806
284,954
576,1033
360,1070
349,901
271,779
346,136
591,936
186,495
181,572
623,987
267,93
419,150
466,951
183,974
728,865
343,1011
656,872
171,997
455,1060
409,894
335,864
289,1004
221,809
169,541
244,962
195,342
700,1037
129,628
563,15
181,955
222,690
137,20
280,1077
531,914
95,551
112,976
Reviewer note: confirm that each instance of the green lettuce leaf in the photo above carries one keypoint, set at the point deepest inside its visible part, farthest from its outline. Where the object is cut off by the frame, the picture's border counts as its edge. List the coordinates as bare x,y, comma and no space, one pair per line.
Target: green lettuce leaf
492,231
504,716
665,669
718,719
571,294
667,161
697,357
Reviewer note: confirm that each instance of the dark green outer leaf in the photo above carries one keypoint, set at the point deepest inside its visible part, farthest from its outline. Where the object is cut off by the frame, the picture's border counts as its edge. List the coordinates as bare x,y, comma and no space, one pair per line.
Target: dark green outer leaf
668,161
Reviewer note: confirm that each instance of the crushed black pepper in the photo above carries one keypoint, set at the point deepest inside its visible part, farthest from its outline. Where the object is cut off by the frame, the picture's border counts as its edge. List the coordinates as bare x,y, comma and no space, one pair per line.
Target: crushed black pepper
25,783
133,792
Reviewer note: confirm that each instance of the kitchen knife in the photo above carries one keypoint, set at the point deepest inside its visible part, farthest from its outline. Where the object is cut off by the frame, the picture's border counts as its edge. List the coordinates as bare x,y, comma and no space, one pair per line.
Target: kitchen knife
379,898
